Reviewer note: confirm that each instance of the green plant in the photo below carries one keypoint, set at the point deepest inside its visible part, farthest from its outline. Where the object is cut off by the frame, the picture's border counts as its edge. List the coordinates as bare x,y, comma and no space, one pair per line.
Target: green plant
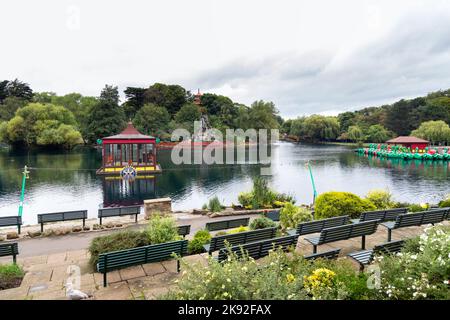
291,216
116,241
382,199
420,271
239,229
162,229
10,276
214,204
201,238
245,199
262,196
205,206
333,204
280,276
445,202
262,223
415,208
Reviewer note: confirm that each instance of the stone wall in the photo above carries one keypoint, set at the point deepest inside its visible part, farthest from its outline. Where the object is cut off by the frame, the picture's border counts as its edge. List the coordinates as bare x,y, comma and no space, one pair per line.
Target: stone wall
161,205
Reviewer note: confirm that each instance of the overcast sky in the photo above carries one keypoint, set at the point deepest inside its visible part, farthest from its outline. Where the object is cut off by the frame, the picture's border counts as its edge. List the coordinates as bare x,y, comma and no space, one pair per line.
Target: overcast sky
305,56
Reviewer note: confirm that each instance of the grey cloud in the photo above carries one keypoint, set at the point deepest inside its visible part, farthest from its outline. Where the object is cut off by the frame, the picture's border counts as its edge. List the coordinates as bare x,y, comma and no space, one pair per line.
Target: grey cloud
412,59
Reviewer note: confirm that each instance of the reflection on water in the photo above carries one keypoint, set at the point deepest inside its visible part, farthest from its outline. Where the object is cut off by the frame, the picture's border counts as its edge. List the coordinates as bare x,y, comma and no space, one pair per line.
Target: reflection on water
67,181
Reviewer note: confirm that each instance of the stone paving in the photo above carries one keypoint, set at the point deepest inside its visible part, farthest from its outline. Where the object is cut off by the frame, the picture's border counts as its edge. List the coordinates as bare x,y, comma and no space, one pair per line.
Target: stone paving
46,274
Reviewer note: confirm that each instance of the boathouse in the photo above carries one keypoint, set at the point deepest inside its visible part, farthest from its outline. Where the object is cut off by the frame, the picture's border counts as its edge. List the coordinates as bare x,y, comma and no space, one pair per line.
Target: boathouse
129,150
409,142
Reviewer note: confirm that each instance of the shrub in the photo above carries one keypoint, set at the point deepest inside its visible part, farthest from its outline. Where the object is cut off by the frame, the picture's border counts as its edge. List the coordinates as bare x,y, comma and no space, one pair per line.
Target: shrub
162,229
415,208
245,199
239,229
382,199
10,276
291,216
116,241
262,196
280,277
418,272
201,238
445,203
262,223
333,204
214,204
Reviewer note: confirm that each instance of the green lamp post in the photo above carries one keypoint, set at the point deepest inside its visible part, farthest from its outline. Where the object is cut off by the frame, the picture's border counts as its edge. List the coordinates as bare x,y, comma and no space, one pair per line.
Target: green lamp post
25,176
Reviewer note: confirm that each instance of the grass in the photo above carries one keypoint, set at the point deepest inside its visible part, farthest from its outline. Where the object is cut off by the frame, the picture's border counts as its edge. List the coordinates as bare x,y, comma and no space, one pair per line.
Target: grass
10,276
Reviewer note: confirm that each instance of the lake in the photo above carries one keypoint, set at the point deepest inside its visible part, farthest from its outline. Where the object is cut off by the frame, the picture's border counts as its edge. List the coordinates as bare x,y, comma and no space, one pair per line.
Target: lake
63,181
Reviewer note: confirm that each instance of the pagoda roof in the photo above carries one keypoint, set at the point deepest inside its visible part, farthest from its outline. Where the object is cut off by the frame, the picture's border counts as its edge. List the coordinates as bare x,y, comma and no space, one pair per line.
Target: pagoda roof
129,133
407,139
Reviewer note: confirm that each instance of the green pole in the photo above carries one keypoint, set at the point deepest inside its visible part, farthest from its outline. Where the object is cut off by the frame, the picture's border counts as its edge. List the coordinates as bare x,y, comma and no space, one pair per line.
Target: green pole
312,182
22,194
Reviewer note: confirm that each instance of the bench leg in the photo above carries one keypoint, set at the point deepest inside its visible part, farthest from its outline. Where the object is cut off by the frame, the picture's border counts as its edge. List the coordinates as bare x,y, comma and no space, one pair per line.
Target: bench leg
84,223
14,259
389,235
42,227
105,283
18,228
361,267
314,248
363,243
135,219
178,265
100,220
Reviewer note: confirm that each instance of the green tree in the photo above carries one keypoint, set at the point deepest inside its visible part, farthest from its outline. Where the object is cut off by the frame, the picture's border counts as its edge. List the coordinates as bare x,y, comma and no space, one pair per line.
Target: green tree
263,115
346,119
135,100
9,107
434,131
355,133
186,116
172,97
106,117
377,133
317,127
213,103
42,125
152,119
15,88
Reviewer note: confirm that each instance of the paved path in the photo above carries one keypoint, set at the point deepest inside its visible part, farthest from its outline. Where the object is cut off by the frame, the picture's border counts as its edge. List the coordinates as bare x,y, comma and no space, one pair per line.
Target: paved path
76,241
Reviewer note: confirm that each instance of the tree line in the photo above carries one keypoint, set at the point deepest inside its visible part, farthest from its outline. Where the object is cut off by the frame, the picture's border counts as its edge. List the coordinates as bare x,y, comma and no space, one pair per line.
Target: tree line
46,119
425,117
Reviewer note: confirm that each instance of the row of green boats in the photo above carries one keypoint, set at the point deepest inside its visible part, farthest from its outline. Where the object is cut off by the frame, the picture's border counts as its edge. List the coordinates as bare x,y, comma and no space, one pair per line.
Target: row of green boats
387,151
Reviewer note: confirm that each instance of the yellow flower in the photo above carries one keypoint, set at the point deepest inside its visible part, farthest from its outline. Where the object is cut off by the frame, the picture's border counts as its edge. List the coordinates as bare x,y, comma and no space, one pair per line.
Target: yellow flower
290,277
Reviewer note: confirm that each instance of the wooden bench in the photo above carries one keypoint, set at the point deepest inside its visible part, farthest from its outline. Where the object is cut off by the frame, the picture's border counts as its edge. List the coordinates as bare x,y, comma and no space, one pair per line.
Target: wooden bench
361,229
416,219
184,230
259,249
9,249
11,221
273,215
141,255
227,224
381,215
365,257
330,255
318,225
62,216
219,242
119,212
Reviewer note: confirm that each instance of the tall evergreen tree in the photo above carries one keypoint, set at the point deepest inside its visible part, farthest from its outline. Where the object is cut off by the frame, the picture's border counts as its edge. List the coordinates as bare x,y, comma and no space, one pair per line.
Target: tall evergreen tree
106,117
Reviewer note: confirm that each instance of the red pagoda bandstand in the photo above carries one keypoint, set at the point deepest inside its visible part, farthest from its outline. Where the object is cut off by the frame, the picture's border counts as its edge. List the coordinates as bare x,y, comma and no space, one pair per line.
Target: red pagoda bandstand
129,151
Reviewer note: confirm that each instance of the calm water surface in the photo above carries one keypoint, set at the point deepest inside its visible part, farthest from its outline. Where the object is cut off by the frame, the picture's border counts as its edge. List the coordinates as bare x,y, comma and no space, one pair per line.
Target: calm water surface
61,181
